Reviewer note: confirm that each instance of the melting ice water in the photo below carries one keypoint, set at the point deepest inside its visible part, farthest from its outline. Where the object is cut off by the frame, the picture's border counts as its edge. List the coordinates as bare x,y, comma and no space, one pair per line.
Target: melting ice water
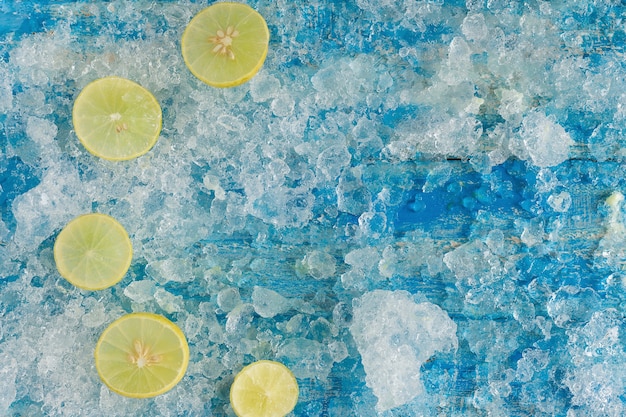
416,205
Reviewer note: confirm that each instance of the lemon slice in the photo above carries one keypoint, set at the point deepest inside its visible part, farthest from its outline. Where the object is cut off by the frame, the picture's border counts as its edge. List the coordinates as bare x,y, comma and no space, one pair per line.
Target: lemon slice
141,355
264,389
93,251
116,119
225,44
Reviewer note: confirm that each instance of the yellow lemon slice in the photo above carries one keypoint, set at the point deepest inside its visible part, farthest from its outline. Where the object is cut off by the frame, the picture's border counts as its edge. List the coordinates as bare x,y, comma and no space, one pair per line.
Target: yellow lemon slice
225,44
93,251
264,389
141,355
116,119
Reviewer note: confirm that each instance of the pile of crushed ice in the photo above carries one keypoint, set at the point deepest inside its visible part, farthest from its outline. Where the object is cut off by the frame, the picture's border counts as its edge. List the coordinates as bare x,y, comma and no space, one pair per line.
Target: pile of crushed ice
416,205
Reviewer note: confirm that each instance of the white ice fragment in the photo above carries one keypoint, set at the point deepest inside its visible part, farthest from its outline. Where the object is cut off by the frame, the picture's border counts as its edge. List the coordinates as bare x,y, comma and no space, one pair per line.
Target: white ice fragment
94,313
544,140
48,206
437,177
8,373
41,58
268,303
6,90
169,302
597,379
474,28
345,80
320,265
338,351
239,319
140,291
283,105
352,195
306,358
512,105
458,66
612,246
41,130
332,160
170,269
533,360
192,326
212,183
474,264
533,232
372,224
395,336
263,87
228,299
560,202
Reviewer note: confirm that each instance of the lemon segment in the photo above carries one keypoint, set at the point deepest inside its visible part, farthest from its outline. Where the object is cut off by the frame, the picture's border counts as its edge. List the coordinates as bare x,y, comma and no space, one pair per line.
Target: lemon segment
141,355
225,44
264,389
116,119
93,251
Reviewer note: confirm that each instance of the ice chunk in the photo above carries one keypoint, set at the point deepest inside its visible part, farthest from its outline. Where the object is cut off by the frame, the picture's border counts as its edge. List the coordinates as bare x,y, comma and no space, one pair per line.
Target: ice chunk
94,313
474,264
6,93
345,81
332,160
395,336
282,206
352,195
364,268
212,183
171,269
532,361
228,299
474,28
598,380
169,302
543,140
41,130
283,105
560,202
372,224
8,373
612,246
458,66
48,206
140,291
268,303
320,265
306,358
338,351
263,87
571,305
512,105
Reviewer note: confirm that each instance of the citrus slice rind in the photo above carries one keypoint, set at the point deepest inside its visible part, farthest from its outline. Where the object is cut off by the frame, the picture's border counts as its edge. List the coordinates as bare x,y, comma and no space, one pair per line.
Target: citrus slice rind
225,44
263,389
141,355
93,251
116,119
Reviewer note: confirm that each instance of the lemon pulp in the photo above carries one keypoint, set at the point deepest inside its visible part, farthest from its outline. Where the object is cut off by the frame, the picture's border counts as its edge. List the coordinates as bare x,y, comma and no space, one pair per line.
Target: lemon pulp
225,44
141,355
264,389
93,251
116,119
